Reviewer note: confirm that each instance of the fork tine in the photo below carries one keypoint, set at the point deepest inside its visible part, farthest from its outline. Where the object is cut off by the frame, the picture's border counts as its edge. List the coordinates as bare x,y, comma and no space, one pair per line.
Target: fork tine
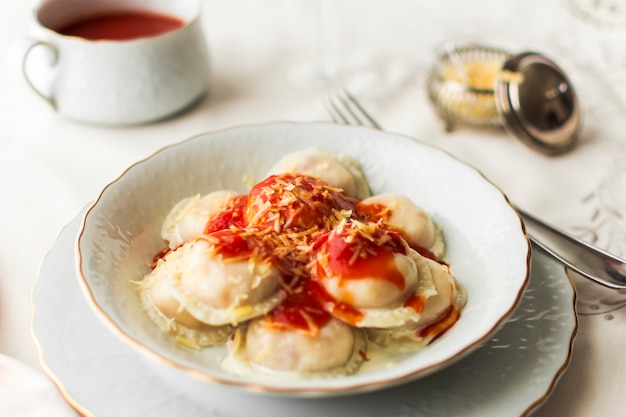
344,108
361,109
335,112
347,104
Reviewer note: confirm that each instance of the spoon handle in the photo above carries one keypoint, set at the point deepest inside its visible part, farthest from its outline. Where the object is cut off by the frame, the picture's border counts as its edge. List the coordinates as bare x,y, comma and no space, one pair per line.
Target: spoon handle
578,255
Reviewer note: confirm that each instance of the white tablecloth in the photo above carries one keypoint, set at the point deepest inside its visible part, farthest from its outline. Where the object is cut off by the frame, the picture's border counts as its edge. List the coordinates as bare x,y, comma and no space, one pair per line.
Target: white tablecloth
51,167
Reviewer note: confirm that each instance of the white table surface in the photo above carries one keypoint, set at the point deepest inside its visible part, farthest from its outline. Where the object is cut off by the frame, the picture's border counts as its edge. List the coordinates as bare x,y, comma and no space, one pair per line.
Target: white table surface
51,167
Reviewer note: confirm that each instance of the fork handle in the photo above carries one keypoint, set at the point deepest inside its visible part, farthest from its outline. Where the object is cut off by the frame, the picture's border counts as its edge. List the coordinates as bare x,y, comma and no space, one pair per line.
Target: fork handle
576,254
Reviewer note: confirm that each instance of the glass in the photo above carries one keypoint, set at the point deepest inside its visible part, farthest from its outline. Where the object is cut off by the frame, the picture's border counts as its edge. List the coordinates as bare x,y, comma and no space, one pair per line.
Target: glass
319,70
602,13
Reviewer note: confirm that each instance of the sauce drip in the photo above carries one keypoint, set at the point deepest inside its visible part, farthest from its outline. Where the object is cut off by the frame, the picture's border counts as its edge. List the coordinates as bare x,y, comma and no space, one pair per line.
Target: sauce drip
301,310
232,215
339,309
122,25
437,328
352,253
416,302
232,245
380,213
160,255
373,212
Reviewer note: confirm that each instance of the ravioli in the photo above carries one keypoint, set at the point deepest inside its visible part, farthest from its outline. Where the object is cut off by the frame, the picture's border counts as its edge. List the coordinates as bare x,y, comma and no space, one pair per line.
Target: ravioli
302,274
335,169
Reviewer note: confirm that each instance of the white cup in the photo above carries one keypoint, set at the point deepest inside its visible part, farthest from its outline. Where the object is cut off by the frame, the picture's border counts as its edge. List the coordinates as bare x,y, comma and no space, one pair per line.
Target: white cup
112,82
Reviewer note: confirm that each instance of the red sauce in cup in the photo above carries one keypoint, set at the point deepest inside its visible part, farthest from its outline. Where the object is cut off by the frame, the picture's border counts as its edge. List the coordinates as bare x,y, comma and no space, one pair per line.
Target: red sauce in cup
122,25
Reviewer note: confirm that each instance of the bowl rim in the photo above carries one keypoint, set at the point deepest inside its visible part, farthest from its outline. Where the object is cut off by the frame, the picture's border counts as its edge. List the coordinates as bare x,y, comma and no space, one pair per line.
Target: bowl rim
255,386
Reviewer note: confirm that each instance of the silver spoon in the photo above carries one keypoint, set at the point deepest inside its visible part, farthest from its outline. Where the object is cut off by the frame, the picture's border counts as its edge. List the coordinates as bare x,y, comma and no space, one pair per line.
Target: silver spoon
578,255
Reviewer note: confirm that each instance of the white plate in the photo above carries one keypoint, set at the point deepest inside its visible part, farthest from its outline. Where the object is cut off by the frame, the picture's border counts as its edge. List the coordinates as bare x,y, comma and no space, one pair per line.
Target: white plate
487,249
508,375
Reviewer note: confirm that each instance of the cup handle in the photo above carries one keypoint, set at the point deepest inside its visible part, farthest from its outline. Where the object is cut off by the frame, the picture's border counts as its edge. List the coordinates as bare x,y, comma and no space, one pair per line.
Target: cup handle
34,44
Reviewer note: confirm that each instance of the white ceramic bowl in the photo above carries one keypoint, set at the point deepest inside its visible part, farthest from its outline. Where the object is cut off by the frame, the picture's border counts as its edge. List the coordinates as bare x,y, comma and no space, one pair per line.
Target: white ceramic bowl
487,248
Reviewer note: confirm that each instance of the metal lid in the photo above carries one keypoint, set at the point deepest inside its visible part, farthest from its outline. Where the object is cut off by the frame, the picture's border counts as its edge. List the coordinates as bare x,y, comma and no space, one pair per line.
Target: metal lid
542,110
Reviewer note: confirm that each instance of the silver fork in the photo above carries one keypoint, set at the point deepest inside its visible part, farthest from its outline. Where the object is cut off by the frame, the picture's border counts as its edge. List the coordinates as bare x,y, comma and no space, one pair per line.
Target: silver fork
589,261
345,109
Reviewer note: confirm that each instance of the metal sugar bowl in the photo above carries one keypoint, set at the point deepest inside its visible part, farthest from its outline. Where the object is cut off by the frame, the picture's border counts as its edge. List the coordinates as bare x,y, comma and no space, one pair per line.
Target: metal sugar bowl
527,93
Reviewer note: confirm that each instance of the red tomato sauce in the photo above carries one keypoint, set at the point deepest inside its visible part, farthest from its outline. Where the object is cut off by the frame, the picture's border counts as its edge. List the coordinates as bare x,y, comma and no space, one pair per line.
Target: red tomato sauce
231,244
301,310
416,302
232,215
437,328
356,257
290,201
122,25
